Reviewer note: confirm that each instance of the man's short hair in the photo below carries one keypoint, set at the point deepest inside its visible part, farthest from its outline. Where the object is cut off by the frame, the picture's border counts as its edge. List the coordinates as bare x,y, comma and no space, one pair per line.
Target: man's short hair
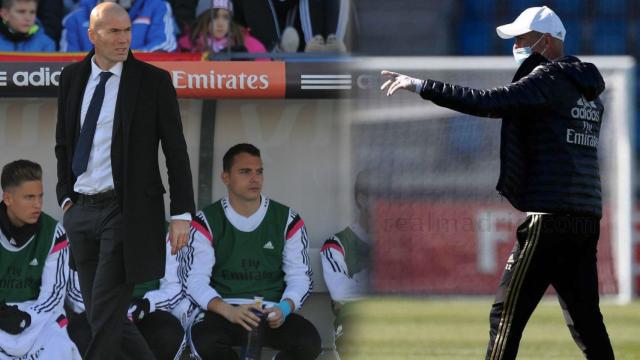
17,172
227,159
7,4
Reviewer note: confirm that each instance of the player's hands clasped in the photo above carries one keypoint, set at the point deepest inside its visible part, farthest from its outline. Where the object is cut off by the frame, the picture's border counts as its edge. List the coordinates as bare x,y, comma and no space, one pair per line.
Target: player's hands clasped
275,318
244,315
398,81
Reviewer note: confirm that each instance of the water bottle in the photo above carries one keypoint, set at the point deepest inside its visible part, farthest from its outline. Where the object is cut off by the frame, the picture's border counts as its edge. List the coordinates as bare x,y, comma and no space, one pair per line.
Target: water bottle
253,349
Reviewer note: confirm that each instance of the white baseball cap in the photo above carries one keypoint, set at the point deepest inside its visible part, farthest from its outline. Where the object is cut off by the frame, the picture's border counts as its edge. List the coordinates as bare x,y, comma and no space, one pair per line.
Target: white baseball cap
540,19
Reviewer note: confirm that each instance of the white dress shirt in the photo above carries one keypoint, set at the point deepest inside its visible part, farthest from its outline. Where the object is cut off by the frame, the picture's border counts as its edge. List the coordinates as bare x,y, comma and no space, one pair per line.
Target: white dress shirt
98,177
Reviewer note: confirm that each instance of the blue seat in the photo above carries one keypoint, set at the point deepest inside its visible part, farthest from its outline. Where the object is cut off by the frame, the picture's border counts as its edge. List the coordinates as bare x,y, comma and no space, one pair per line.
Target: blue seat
569,8
506,46
480,9
573,38
476,38
609,37
572,46
637,142
518,6
611,7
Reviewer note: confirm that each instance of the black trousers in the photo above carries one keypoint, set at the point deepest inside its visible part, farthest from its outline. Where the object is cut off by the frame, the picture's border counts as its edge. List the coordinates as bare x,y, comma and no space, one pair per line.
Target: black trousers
266,18
214,337
92,225
556,250
312,17
160,329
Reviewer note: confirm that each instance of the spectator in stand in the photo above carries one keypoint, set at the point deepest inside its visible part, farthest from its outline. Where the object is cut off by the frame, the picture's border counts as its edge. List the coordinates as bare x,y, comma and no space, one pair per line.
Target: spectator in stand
152,26
50,13
184,12
273,22
19,29
216,31
69,6
324,24
278,23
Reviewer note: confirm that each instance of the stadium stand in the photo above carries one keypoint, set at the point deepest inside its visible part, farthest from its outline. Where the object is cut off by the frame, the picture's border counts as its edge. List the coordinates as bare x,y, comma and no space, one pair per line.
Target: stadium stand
475,37
569,8
153,27
613,8
50,13
183,12
609,37
20,30
229,37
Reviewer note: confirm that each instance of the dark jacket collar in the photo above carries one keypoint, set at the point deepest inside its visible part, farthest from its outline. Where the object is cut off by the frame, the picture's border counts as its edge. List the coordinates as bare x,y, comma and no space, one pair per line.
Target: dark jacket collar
528,65
20,234
87,59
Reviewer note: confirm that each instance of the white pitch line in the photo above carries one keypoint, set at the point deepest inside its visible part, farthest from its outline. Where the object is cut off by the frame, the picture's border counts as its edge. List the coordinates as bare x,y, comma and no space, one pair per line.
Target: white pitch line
336,82
304,76
325,87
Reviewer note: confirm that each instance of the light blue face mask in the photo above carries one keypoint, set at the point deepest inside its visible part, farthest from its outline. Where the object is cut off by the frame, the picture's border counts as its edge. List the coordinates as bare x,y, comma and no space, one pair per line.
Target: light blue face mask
521,54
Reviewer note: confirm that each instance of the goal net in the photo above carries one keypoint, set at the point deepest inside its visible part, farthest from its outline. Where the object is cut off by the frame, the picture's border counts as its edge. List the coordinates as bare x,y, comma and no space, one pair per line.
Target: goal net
440,227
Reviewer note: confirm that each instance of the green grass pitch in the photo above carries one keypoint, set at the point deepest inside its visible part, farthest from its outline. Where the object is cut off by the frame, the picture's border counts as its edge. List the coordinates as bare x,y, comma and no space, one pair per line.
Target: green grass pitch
415,328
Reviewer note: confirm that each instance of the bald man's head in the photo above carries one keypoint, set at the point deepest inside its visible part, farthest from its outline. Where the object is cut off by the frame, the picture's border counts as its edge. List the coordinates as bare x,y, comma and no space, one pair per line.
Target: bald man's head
110,33
106,10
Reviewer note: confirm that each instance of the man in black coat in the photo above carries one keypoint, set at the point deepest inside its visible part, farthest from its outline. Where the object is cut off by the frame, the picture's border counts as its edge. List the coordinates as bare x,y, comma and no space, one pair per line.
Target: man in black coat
113,112
548,169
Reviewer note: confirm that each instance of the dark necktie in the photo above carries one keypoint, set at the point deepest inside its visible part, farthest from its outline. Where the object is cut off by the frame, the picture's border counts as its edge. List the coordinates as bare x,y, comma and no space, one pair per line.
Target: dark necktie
85,140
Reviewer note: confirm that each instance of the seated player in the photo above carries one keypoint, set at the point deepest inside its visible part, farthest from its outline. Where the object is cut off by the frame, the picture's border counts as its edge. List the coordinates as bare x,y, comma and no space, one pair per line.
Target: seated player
158,308
249,245
33,270
346,264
